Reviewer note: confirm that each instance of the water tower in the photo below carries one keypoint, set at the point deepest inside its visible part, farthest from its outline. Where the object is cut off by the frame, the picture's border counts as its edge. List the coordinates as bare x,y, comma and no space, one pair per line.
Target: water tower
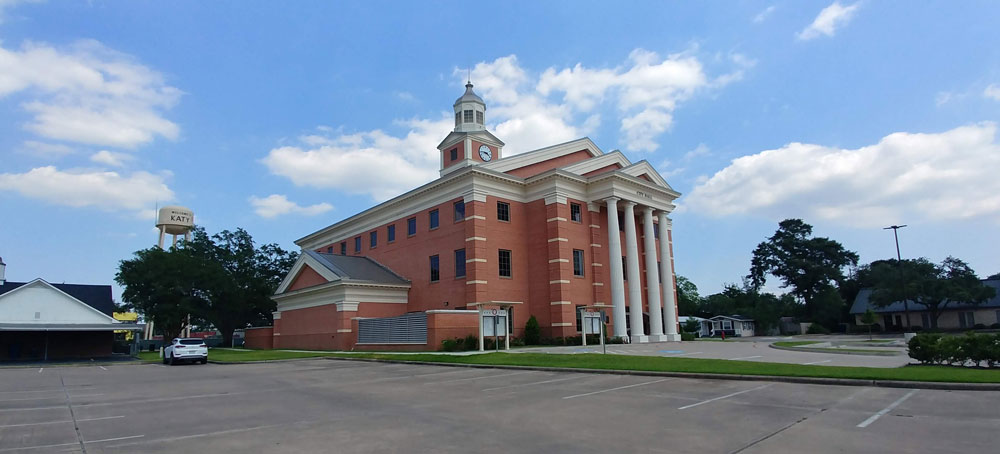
175,220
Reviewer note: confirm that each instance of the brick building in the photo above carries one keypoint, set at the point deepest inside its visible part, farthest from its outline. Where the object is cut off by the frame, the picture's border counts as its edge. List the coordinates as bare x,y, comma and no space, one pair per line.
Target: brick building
544,232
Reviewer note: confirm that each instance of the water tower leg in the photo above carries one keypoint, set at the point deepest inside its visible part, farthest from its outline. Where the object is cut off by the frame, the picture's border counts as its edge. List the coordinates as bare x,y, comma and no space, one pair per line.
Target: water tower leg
187,236
162,232
175,240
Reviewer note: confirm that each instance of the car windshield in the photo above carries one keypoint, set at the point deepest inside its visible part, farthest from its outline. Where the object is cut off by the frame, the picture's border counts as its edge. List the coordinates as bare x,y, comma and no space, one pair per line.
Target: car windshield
191,342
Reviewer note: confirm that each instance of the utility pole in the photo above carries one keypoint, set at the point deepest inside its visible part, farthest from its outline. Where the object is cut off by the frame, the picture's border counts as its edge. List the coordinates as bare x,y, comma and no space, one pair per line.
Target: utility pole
899,266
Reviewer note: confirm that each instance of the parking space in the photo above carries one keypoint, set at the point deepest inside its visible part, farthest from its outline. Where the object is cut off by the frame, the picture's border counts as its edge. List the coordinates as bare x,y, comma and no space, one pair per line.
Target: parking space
743,350
351,406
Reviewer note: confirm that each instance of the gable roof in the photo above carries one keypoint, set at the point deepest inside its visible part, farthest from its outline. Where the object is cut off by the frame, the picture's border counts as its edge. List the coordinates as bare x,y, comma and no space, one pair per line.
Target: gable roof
543,154
740,318
862,302
343,268
95,296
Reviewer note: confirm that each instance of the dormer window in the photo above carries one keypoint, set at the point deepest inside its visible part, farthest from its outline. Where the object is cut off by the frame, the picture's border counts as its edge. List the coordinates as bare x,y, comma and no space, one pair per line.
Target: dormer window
479,117
468,116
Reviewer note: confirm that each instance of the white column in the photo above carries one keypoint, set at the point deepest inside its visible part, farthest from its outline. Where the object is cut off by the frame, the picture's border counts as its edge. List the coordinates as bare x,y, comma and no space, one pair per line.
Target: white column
667,275
617,283
652,277
162,233
634,280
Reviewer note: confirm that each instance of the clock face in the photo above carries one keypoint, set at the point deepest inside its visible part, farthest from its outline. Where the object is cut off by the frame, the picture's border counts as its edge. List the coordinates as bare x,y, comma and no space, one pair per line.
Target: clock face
485,153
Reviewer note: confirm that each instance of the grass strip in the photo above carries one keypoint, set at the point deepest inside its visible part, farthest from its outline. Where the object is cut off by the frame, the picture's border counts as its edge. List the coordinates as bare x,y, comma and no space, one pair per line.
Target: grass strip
945,374
795,343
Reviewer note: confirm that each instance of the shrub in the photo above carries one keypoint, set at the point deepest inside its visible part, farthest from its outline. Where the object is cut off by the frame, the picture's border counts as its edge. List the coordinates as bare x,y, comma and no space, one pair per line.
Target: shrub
924,348
532,332
816,328
979,326
471,342
517,342
449,345
685,336
995,326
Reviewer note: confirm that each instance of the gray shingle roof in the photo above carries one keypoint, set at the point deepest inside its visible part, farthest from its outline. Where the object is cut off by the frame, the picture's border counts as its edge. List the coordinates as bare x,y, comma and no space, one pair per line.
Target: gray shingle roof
358,269
861,302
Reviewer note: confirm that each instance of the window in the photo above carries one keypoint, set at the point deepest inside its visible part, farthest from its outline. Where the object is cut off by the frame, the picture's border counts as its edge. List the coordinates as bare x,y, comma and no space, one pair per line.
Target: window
503,211
624,270
460,263
621,221
656,231
357,244
504,261
578,262
468,116
435,268
574,212
579,317
390,233
510,320
479,117
372,239
966,319
459,210
454,154
458,118
726,324
329,250
434,219
659,275
411,226
343,248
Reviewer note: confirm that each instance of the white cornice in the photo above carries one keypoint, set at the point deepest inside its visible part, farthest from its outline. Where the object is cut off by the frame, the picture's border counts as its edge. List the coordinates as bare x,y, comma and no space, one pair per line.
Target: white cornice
644,167
590,165
544,154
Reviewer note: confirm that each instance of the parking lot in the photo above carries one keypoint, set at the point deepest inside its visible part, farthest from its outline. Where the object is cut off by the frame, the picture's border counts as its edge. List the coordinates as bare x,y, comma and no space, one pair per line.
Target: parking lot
350,406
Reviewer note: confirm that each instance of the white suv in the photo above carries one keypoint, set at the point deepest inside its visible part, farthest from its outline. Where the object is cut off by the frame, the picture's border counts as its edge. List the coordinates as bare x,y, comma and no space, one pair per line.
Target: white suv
185,349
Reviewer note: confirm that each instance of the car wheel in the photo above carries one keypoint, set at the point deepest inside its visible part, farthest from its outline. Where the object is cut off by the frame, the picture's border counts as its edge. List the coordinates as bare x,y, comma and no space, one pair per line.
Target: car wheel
164,359
204,361
172,360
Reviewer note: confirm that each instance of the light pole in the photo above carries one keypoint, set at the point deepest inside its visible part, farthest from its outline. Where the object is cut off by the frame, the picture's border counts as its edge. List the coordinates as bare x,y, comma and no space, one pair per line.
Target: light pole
899,265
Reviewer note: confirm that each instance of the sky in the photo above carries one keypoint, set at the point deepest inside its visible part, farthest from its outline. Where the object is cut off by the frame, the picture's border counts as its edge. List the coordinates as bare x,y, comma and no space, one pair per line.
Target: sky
282,117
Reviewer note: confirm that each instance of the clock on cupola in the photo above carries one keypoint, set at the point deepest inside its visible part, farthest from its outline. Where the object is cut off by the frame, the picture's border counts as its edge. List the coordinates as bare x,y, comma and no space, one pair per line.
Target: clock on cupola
469,143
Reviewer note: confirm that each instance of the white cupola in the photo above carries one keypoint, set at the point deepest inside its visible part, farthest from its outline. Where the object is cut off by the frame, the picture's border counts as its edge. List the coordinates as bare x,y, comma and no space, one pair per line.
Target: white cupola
470,111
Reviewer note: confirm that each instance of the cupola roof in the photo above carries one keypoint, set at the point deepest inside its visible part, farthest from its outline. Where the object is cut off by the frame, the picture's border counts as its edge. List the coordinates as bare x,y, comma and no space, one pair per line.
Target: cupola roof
469,96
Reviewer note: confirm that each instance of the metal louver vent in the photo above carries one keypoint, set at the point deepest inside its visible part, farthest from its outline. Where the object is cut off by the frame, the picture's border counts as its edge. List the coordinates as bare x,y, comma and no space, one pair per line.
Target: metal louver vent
404,329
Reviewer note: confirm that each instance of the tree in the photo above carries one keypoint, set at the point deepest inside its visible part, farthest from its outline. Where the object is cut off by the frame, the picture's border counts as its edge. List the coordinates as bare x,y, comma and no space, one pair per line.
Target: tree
687,296
532,332
163,285
932,285
868,318
691,326
809,266
223,279
240,279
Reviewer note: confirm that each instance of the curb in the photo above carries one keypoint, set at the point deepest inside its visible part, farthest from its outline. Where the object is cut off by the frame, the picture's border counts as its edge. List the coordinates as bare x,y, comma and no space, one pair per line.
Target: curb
824,350
211,361
711,376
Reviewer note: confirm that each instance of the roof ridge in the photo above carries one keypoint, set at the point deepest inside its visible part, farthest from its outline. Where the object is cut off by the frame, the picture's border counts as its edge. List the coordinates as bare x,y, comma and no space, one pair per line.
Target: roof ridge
386,268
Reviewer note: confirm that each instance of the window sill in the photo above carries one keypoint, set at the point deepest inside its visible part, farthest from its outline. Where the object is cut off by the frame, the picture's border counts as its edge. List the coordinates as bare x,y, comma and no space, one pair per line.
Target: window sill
506,277
433,228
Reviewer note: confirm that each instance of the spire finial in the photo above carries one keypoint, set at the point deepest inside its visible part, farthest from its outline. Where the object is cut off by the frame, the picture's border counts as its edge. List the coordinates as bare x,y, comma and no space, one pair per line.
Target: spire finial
469,80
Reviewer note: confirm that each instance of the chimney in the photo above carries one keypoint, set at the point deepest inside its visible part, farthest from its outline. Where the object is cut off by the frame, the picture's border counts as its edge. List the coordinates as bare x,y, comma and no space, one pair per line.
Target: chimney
3,267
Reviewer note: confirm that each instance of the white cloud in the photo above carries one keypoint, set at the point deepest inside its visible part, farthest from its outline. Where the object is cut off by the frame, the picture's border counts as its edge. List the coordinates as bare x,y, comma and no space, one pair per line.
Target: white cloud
7,4
46,150
276,205
111,158
828,20
372,162
88,94
106,191
905,177
700,150
762,16
526,111
992,92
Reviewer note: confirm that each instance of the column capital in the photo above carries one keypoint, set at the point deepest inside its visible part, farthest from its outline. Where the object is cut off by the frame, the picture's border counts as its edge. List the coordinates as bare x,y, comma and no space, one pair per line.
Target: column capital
649,209
629,203
612,199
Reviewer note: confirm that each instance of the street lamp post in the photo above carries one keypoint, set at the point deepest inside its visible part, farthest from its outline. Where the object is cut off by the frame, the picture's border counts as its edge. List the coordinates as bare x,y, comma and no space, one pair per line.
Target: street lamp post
899,265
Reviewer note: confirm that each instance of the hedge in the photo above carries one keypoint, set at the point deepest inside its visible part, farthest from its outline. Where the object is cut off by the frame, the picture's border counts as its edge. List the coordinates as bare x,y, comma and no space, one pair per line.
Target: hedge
968,350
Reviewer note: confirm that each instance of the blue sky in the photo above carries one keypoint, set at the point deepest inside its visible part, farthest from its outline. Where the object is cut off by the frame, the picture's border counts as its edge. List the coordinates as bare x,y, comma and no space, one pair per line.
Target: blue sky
275,117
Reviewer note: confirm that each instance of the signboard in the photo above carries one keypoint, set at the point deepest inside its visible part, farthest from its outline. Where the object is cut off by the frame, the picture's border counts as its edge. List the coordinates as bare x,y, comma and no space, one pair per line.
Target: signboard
495,325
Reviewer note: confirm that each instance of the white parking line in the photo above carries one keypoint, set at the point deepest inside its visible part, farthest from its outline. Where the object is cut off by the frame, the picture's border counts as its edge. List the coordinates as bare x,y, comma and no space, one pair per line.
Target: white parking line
616,389
47,398
75,443
102,367
722,397
817,362
40,369
474,378
529,384
745,357
885,410
59,422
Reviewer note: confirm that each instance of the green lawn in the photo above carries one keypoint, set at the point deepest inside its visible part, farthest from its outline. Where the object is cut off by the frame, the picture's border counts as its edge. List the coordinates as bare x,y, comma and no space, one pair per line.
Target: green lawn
642,363
795,343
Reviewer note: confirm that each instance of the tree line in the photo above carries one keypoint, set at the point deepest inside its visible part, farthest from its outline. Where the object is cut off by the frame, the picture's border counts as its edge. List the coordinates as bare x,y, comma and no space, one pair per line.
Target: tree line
224,281
823,278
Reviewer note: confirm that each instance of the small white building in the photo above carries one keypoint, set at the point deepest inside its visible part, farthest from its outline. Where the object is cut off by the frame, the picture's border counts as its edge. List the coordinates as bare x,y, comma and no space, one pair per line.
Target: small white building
732,325
704,325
